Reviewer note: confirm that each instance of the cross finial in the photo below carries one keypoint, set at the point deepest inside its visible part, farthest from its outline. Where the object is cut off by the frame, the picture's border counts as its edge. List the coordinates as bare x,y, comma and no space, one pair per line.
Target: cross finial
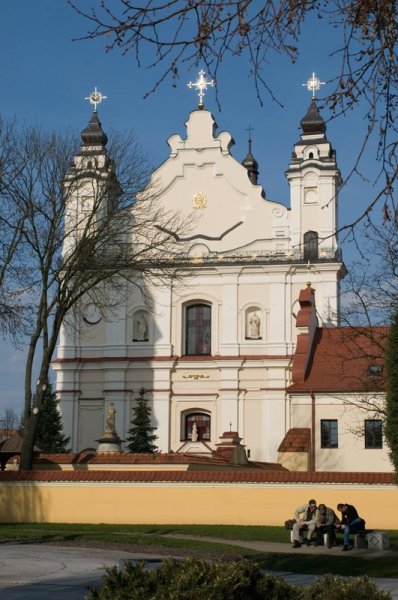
313,84
201,85
95,98
250,129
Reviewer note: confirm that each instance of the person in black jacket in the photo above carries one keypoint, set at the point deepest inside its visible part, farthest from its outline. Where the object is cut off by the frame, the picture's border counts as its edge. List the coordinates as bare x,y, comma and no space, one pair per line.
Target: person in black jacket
350,521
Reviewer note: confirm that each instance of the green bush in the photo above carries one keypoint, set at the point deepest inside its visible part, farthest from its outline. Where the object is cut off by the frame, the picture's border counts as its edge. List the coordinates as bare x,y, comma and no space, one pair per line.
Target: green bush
238,580
331,587
189,579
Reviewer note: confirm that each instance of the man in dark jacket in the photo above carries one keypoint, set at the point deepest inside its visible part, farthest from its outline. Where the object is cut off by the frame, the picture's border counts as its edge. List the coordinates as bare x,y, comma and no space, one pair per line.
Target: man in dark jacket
350,521
327,522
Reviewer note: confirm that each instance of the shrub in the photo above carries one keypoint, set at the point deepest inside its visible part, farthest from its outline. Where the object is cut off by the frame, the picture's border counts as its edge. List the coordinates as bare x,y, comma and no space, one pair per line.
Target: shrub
331,587
237,580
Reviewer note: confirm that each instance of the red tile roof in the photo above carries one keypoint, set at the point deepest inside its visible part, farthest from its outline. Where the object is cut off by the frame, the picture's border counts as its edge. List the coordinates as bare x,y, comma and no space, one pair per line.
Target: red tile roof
340,360
296,440
150,460
216,477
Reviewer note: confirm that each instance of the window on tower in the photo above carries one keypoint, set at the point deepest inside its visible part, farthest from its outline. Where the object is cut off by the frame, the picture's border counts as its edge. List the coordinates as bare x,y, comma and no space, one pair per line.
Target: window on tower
310,245
198,329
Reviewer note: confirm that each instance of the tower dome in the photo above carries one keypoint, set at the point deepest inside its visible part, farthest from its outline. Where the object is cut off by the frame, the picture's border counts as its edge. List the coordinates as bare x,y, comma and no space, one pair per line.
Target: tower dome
313,123
93,134
251,165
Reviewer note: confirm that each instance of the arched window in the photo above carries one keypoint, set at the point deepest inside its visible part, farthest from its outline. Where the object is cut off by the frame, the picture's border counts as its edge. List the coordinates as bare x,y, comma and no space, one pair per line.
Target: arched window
310,245
198,329
202,429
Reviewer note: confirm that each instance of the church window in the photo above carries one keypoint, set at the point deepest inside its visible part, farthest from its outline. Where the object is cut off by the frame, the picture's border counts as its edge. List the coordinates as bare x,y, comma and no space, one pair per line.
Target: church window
373,433
311,155
329,433
198,329
310,245
200,424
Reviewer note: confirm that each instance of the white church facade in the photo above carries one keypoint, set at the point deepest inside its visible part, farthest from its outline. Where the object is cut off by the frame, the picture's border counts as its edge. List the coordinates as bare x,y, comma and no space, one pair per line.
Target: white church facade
218,350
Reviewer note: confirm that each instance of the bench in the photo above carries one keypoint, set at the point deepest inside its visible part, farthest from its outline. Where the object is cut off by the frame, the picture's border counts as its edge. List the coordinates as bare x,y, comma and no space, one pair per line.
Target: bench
377,540
360,538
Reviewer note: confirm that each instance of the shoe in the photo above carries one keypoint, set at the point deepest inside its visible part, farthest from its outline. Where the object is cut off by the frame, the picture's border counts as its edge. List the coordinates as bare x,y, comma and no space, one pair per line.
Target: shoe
318,544
308,542
345,548
296,544
330,546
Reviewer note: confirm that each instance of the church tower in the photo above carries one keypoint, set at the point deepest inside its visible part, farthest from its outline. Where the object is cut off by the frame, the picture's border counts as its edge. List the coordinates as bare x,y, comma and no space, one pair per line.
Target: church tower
91,185
314,180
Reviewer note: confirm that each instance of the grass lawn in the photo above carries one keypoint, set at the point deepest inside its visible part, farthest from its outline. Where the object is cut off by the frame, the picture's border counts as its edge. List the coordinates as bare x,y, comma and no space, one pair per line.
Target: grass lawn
153,538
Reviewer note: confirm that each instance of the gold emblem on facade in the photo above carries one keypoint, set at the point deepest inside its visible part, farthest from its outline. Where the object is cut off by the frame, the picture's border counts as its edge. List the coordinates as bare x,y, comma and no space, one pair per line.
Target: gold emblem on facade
199,200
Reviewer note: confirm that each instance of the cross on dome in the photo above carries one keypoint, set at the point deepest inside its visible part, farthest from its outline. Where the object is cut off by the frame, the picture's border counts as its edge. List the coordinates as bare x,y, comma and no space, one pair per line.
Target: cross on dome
313,84
95,98
201,85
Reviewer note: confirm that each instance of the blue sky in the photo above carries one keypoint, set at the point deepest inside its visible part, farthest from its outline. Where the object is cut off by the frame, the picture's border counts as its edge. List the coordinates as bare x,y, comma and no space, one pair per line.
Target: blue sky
45,76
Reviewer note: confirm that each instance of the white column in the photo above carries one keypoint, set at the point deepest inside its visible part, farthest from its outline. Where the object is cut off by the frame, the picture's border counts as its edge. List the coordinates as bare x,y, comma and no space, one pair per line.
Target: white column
228,331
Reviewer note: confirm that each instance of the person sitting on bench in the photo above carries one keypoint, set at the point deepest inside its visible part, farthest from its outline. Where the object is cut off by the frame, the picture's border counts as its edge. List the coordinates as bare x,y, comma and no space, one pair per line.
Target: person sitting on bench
350,522
327,522
306,515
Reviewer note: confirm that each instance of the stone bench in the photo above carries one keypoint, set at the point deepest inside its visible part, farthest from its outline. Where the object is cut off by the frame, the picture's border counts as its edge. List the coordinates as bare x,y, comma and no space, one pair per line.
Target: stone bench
367,538
377,540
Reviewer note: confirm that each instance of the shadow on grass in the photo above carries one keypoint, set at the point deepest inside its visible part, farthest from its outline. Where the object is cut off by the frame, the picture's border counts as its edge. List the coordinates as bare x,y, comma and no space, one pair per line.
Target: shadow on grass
337,565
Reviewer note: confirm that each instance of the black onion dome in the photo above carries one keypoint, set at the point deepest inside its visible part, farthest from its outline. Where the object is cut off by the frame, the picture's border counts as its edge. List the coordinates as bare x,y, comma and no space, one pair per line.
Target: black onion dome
93,135
251,165
250,162
313,122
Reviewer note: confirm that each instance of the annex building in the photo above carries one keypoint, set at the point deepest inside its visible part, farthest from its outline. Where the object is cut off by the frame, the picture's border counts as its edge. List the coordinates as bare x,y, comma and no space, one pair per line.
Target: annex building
248,339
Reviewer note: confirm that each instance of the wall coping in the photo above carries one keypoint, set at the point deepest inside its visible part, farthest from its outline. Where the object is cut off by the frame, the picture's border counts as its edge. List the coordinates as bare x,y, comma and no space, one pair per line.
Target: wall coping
248,477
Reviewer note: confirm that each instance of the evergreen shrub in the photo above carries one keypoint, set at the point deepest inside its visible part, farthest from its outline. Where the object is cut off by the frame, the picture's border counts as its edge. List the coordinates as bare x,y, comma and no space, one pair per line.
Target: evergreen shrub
331,587
238,580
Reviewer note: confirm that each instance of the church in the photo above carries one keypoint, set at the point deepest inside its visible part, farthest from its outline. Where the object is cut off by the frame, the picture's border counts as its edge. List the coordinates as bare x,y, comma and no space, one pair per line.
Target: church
247,339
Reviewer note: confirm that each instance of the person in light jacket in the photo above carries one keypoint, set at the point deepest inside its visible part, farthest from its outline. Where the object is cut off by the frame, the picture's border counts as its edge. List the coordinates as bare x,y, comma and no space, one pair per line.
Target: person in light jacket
305,515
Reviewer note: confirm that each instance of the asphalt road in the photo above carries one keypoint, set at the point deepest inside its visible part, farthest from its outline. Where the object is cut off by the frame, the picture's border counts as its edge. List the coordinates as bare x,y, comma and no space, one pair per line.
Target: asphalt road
44,572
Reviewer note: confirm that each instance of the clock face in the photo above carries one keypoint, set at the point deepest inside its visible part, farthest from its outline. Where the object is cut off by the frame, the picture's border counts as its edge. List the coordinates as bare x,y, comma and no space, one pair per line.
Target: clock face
91,314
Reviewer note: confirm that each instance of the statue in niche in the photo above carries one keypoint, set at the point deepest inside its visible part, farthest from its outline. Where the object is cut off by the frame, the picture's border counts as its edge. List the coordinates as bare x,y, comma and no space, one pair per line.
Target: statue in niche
141,329
254,326
110,419
194,434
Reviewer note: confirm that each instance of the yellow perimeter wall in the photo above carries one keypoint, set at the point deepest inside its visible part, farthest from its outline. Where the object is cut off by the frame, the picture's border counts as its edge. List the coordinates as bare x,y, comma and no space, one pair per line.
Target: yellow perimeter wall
162,503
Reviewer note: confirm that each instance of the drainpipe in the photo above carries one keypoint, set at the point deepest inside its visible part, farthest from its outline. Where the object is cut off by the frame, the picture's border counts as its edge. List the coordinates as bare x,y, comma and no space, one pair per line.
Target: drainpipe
312,451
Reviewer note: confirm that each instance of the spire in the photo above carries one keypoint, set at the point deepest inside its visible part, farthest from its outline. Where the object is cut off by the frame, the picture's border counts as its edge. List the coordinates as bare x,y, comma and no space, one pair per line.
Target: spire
250,162
313,123
93,134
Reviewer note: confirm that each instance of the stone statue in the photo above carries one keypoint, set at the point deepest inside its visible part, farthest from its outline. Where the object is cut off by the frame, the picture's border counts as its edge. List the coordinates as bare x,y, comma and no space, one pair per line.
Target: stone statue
194,435
110,419
254,326
141,329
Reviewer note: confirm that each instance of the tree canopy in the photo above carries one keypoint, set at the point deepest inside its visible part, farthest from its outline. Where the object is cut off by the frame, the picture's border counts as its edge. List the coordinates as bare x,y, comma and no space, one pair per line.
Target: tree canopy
173,33
60,256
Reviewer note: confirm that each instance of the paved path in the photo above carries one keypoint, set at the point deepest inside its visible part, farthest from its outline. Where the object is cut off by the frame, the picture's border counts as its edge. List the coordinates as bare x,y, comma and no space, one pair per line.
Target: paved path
45,572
